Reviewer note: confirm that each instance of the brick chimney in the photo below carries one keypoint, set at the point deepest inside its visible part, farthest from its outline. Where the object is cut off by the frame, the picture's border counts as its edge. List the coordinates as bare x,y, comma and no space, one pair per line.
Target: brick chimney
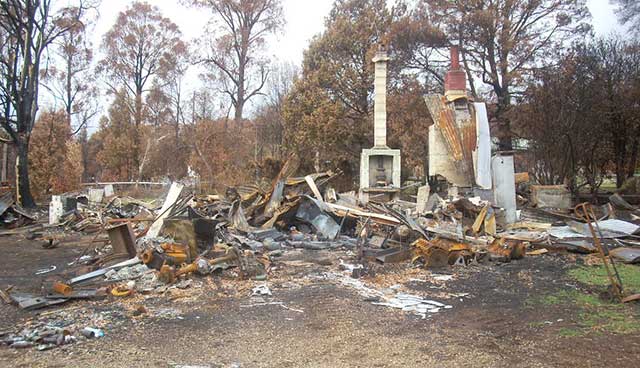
380,98
455,82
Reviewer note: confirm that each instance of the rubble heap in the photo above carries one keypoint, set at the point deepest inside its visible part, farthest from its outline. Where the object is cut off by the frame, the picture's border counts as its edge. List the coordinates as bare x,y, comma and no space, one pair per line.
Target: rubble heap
139,247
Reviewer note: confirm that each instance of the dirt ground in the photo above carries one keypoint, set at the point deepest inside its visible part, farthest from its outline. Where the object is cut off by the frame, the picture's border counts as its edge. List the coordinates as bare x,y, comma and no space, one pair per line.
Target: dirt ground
497,318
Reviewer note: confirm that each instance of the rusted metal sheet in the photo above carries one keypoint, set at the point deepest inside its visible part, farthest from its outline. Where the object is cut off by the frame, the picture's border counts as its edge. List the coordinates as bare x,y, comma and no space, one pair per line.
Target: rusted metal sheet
122,239
458,134
445,120
468,134
507,249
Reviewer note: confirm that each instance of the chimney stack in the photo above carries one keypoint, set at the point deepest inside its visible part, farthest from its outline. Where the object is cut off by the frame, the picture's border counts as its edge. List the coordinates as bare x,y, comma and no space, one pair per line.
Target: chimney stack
380,98
455,82
455,58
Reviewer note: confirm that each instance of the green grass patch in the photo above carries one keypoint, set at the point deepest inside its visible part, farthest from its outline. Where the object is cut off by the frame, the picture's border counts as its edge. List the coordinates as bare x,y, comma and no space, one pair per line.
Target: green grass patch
564,297
588,300
559,298
609,319
592,314
597,276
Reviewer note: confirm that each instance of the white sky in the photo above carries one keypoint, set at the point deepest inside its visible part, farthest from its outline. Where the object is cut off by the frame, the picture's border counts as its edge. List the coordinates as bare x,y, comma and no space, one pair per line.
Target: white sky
304,19
603,17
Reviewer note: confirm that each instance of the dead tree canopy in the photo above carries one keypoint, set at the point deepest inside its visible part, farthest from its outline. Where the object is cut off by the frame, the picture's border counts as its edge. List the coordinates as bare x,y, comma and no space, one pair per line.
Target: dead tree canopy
234,56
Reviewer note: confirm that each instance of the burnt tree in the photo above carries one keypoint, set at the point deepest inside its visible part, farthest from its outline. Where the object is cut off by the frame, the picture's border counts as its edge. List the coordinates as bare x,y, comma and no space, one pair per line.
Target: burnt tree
27,29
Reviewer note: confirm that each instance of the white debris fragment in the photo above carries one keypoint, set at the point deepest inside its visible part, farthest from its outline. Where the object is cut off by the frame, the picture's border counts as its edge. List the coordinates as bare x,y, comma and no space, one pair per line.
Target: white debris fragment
261,289
46,270
407,302
415,304
348,266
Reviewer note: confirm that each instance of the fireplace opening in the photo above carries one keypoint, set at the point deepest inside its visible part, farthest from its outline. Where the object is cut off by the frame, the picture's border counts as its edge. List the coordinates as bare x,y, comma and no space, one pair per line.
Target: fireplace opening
380,171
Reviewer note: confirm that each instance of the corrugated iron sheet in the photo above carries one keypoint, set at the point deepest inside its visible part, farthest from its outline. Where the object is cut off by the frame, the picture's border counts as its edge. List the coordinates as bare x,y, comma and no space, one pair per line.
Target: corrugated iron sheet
459,136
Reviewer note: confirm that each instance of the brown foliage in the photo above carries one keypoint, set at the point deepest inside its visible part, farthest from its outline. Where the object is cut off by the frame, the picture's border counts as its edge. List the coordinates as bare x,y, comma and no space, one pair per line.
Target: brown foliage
222,156
141,46
163,152
167,155
55,159
72,169
417,45
408,125
117,156
269,119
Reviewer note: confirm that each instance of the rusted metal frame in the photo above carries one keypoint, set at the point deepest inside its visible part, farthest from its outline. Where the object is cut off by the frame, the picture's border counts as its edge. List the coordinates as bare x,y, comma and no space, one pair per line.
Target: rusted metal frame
585,211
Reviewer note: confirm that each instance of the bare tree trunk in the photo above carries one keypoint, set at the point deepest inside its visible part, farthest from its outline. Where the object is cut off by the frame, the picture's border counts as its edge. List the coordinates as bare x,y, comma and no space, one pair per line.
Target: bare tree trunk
619,151
504,103
240,98
136,131
205,161
144,159
5,162
241,87
69,97
23,190
633,161
239,108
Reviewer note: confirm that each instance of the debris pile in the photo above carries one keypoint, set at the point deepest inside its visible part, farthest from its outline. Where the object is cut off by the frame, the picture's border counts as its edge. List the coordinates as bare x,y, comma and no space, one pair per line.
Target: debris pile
12,215
45,337
141,248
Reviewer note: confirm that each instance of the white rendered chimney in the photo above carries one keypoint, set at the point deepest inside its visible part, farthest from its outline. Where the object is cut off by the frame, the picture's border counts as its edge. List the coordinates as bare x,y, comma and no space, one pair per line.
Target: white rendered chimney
380,98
